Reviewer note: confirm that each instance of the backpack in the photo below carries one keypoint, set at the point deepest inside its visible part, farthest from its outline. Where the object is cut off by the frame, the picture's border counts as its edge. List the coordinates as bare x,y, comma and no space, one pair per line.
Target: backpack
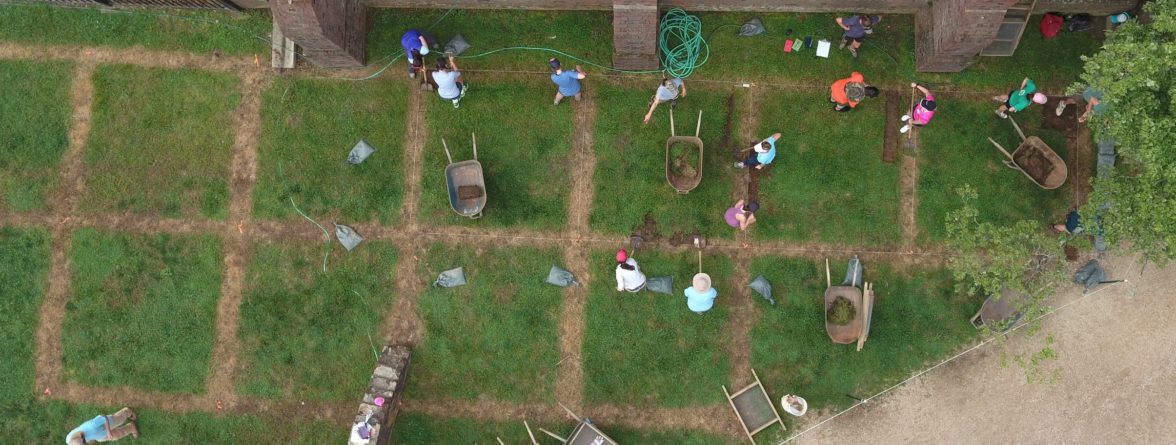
1050,25
1079,23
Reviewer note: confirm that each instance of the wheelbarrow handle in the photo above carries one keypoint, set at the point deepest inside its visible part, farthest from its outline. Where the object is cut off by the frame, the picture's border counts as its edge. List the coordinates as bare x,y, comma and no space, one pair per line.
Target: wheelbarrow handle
474,138
1002,149
1018,128
698,127
446,146
672,123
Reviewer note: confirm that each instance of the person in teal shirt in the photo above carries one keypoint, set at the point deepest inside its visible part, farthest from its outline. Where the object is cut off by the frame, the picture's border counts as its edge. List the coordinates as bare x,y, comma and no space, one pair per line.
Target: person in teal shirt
765,153
104,428
1019,99
700,297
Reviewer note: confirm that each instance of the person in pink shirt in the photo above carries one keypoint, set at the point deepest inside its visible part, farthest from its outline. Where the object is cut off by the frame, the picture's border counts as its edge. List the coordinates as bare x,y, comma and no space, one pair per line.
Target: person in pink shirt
923,111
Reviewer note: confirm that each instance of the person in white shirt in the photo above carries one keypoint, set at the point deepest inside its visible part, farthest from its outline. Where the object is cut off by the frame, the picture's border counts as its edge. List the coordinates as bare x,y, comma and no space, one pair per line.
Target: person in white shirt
629,276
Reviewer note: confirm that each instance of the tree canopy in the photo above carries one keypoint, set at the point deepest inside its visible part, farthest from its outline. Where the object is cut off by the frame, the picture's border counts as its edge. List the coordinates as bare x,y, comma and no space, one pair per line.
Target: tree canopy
1135,70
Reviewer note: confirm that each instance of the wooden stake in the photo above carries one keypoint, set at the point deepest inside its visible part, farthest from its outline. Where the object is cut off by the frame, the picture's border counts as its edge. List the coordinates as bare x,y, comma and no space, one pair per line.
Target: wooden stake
828,280
529,433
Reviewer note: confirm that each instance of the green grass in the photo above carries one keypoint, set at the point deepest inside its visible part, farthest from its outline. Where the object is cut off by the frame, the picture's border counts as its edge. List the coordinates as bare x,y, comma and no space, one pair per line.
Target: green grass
24,261
198,31
34,119
142,310
954,150
630,160
419,429
309,127
916,320
587,35
828,182
161,142
477,335
649,349
45,423
524,145
304,332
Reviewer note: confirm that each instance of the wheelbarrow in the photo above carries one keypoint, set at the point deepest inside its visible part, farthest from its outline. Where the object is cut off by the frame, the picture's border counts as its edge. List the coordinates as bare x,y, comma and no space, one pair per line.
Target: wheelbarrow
1036,160
1000,313
467,187
860,298
678,174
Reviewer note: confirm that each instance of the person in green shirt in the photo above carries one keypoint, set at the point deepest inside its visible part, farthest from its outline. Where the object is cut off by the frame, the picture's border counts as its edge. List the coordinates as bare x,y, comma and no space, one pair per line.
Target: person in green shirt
1019,99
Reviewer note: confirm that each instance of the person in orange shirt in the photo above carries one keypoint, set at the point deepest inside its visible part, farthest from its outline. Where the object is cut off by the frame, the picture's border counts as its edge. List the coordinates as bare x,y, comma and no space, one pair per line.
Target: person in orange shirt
846,93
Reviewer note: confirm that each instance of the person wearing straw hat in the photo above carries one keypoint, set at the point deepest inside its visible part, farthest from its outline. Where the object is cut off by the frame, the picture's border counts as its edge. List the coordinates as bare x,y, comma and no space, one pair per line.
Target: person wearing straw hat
700,296
629,276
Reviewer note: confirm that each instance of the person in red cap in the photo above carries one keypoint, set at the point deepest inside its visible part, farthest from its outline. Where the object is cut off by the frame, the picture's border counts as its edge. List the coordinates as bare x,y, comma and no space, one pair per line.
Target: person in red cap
629,276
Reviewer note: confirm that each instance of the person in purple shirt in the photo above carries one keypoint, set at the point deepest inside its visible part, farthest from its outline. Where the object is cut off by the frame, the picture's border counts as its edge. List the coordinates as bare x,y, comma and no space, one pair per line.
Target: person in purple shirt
105,428
856,27
416,46
741,216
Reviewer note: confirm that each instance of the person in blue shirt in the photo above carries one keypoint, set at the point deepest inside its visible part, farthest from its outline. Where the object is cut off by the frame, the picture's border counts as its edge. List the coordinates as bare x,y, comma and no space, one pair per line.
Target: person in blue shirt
105,428
567,81
700,296
765,153
416,46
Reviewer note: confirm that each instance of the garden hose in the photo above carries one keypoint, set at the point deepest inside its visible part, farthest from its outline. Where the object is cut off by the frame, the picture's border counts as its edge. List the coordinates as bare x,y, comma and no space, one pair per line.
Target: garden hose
684,32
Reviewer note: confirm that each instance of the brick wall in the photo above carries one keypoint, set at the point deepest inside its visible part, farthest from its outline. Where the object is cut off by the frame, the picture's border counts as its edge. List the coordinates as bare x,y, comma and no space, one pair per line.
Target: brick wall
330,32
635,34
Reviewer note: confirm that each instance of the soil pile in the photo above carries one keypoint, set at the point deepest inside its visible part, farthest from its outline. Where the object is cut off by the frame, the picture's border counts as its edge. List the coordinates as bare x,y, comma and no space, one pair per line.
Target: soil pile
841,312
684,159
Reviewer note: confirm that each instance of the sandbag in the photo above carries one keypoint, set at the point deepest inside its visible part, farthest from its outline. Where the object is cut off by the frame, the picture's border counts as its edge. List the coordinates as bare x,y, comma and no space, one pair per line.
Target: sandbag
851,278
763,287
347,236
359,152
1090,274
661,285
560,277
1079,22
457,45
752,27
451,278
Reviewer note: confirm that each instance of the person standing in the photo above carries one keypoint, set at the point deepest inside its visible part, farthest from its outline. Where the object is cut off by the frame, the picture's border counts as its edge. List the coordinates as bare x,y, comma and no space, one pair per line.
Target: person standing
700,296
568,82
763,154
1019,99
669,91
105,428
856,27
448,79
741,216
922,112
848,92
629,276
416,46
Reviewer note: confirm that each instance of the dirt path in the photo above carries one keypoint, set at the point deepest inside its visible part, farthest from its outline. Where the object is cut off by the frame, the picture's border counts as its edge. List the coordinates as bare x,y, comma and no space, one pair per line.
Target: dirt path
226,347
908,175
137,55
569,386
404,323
1116,361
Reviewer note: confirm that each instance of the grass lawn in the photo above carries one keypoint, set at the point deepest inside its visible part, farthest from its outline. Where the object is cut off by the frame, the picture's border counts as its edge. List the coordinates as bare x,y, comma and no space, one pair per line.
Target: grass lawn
161,142
304,332
524,144
916,320
46,422
309,127
34,119
584,34
954,150
631,157
649,349
142,310
477,335
24,261
170,29
828,182
419,429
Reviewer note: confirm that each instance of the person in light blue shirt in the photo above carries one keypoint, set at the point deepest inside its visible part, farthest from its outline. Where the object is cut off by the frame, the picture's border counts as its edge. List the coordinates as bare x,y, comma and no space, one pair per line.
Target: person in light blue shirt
700,296
105,428
765,153
567,81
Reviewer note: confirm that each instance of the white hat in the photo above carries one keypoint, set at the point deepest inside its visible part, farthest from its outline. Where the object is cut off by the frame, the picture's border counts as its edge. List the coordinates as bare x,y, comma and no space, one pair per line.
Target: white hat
424,50
702,282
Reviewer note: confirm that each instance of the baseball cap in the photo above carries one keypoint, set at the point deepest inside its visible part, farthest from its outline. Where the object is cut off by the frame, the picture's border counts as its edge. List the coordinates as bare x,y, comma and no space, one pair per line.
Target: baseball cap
1040,98
622,256
554,63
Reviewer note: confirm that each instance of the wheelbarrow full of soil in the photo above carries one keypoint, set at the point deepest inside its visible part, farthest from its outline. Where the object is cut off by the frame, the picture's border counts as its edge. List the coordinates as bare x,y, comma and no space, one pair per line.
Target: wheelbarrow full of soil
848,307
467,187
684,158
1036,160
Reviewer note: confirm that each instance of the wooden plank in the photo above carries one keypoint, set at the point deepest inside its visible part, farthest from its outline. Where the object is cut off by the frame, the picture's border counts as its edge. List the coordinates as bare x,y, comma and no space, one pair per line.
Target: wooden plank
736,410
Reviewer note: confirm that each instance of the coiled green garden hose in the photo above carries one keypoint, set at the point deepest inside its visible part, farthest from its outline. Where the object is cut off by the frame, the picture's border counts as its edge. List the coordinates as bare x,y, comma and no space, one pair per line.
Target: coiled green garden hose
684,32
